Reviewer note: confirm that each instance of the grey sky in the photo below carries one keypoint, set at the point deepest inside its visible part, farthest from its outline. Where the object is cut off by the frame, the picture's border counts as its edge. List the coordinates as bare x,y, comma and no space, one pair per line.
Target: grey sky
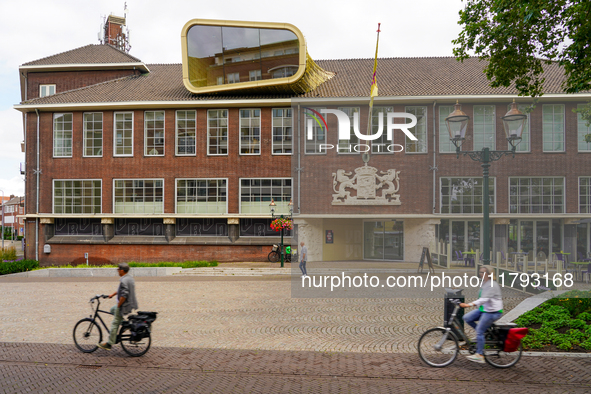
333,30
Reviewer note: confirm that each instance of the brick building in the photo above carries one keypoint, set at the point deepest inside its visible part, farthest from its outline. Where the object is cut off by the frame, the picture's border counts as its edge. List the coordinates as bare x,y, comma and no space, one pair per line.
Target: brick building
130,161
14,207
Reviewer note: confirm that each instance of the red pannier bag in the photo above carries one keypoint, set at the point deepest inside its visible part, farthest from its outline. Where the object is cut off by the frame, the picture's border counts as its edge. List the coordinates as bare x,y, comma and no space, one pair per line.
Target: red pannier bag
514,338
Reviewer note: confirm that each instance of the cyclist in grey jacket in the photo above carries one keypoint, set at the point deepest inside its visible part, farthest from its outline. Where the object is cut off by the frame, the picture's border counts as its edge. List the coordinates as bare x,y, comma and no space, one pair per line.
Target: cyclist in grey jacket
490,303
126,302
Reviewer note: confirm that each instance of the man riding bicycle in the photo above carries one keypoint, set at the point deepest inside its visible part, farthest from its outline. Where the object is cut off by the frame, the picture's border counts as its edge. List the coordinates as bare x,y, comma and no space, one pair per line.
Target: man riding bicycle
490,303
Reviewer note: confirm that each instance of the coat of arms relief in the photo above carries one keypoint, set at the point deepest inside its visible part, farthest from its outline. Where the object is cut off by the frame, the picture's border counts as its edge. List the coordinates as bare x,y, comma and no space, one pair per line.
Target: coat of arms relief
371,187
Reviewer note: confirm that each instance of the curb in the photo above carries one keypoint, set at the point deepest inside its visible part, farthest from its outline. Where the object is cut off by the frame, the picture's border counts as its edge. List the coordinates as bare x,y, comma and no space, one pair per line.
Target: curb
95,272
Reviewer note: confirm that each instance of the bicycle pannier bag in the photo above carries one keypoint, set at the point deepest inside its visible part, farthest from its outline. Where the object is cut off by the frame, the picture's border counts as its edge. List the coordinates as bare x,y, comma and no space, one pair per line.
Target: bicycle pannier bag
514,338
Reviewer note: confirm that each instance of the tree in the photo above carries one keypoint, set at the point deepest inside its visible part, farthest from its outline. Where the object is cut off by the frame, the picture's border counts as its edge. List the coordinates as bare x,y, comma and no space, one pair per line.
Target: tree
518,37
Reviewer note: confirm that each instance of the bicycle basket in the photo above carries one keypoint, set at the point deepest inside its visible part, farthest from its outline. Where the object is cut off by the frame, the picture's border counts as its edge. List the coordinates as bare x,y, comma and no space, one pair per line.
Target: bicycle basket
275,247
514,338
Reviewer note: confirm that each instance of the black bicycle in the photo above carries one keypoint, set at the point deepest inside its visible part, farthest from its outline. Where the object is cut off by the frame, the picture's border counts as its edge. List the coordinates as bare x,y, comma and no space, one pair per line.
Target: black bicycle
134,333
275,255
439,347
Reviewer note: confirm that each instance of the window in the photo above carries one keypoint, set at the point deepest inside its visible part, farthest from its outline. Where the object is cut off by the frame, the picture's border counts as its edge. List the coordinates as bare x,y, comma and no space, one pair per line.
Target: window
553,128
419,131
217,132
282,131
220,80
233,77
254,75
62,135
582,130
139,195
464,195
77,196
484,127
284,72
256,195
445,144
201,196
347,146
154,133
381,144
314,124
250,131
93,134
186,130
76,226
139,227
584,194
536,195
46,90
523,146
123,131
199,227
259,227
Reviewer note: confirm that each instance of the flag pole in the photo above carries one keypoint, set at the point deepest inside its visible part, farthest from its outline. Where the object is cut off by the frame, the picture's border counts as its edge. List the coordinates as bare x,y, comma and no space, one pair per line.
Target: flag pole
373,92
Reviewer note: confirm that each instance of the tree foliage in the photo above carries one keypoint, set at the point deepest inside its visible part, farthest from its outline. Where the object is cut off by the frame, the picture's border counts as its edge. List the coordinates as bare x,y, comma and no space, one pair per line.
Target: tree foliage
518,37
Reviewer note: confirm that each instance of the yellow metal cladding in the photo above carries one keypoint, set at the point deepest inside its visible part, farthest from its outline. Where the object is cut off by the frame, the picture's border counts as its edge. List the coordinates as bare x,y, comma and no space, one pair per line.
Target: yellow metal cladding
227,64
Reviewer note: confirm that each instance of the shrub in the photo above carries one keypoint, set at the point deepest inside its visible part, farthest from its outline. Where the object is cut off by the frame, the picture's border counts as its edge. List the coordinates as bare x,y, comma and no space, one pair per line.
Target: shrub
8,254
13,267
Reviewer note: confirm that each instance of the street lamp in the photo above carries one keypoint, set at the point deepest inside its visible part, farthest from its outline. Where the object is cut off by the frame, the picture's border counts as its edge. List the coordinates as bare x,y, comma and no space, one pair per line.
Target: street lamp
457,123
272,208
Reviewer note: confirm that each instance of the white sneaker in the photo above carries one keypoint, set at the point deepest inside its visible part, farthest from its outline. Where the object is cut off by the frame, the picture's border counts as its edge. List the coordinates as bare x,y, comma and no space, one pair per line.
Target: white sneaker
477,358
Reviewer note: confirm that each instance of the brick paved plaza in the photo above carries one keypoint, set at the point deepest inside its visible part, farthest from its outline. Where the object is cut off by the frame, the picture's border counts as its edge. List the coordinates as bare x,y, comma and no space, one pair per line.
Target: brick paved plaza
248,335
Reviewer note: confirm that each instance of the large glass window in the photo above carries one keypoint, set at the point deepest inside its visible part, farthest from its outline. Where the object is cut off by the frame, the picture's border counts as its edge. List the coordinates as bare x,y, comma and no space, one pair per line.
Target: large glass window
186,130
584,194
62,135
380,145
201,196
553,128
123,134
282,131
78,226
582,131
217,132
250,131
139,196
139,227
154,133
347,146
93,134
419,131
484,127
200,227
316,128
445,144
464,195
256,195
383,240
536,195
77,196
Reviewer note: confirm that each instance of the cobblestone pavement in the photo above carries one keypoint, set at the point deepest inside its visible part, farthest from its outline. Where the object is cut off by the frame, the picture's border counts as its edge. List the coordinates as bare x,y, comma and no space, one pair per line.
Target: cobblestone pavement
226,335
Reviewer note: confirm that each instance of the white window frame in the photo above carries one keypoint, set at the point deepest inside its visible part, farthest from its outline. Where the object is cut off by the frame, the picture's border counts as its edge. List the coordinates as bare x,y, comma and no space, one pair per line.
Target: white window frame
218,138
383,139
49,87
353,140
176,189
264,210
283,134
443,131
144,211
84,131
486,135
553,133
492,183
251,131
255,75
542,195
315,143
587,197
233,77
582,129
155,131
176,132
63,139
77,180
425,141
115,154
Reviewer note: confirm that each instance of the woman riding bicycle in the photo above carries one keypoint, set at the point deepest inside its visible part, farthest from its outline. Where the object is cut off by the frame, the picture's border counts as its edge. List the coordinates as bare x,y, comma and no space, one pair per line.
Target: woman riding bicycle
490,303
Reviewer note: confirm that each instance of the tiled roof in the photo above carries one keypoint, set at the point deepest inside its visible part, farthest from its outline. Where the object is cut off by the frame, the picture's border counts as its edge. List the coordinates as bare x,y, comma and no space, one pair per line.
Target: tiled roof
396,77
89,54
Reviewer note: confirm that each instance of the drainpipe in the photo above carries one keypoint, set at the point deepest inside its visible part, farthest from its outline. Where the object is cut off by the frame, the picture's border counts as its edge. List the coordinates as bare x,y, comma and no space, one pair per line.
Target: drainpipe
434,168
299,169
37,171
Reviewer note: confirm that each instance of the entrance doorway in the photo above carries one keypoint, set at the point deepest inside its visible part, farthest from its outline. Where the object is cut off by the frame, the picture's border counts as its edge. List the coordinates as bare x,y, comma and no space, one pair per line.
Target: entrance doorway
383,240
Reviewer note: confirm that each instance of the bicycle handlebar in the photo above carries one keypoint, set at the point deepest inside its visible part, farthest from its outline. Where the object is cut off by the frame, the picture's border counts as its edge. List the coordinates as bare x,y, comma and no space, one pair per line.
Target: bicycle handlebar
98,296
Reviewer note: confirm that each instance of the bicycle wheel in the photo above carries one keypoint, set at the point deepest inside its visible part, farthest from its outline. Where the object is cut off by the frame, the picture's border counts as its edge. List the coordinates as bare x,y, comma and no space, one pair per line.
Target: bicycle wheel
435,351
134,348
274,256
500,359
87,335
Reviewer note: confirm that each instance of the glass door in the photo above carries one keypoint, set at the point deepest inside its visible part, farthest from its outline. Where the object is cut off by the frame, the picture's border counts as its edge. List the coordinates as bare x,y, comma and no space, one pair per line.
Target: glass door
383,240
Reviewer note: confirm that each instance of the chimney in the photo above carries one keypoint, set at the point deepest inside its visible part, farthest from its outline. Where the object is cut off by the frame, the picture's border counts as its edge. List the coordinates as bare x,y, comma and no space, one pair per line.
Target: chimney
114,34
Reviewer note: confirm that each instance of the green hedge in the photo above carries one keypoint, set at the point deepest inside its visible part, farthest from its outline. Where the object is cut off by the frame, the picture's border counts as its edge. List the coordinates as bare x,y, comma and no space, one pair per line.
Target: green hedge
564,322
13,267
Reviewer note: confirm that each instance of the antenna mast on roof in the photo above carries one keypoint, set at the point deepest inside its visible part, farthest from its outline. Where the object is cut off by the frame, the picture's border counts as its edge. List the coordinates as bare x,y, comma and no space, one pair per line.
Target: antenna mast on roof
112,31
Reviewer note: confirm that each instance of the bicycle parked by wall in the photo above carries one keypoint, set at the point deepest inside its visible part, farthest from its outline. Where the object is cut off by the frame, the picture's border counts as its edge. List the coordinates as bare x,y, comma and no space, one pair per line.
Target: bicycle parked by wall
275,254
439,347
134,333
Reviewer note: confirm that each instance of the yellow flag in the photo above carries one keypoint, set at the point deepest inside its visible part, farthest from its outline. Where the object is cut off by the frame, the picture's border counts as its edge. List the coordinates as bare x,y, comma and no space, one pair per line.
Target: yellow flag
374,81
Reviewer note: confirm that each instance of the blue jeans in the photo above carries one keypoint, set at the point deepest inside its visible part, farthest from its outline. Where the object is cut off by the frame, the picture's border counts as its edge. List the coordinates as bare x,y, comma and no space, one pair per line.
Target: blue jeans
303,267
485,320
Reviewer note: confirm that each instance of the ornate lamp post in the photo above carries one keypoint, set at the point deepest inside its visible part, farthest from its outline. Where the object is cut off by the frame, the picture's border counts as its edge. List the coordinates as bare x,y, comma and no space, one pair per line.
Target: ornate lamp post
272,208
457,123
